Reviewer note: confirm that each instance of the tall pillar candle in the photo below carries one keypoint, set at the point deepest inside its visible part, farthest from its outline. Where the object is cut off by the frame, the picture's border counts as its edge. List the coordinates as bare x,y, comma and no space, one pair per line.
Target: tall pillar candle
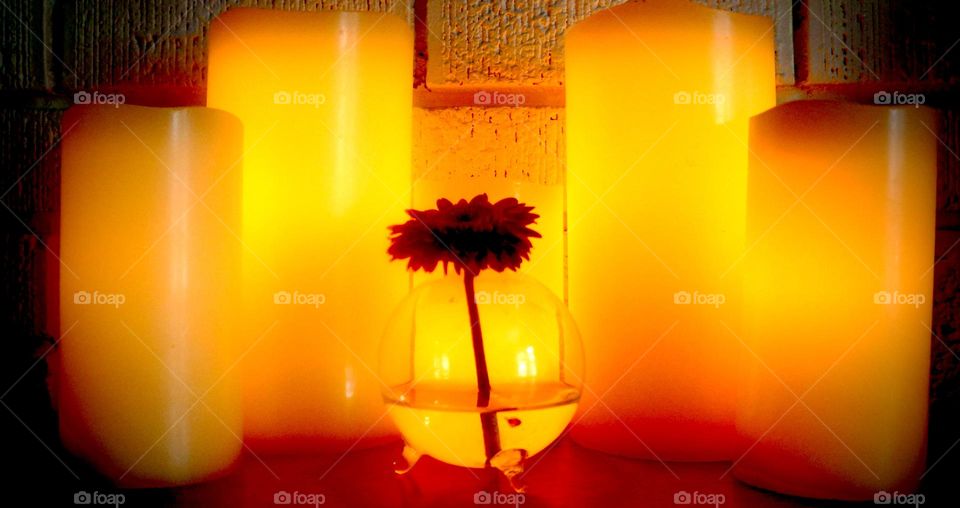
658,98
326,100
838,280
150,202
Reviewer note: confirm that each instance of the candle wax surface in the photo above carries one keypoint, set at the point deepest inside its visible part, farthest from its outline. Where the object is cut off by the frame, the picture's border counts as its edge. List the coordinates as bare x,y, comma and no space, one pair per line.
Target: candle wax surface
838,291
150,202
658,98
326,102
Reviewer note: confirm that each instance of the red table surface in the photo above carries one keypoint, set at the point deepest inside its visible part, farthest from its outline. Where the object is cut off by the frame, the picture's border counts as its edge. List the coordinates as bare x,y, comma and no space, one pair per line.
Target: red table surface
565,476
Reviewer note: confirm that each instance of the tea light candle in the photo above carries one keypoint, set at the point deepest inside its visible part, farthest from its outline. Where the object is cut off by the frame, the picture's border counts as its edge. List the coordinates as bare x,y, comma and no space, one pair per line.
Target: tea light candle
326,101
658,97
838,281
150,201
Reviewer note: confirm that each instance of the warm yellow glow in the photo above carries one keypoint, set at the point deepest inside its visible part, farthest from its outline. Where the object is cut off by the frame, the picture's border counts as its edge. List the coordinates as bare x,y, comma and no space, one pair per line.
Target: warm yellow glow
454,435
658,97
326,103
533,356
838,280
149,291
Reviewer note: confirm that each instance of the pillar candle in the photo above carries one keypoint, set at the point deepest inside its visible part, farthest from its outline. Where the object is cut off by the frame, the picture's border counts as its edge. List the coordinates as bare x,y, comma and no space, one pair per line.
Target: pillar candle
837,286
326,100
658,97
150,201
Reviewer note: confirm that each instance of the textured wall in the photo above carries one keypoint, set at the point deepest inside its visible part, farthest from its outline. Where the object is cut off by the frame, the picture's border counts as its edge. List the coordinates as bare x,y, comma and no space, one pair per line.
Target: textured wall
25,36
489,142
883,40
946,357
948,194
478,42
159,45
29,194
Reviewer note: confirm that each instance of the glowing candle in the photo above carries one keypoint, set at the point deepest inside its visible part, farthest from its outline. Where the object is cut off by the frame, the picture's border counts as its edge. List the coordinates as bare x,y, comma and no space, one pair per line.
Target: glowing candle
150,203
326,102
658,97
838,279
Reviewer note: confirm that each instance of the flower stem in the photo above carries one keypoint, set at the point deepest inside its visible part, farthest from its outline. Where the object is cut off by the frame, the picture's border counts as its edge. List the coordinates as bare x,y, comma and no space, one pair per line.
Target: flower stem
479,358
488,420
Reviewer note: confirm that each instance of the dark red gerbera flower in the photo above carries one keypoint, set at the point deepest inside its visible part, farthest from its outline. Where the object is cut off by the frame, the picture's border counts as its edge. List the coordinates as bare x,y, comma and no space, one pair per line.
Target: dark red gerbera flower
472,235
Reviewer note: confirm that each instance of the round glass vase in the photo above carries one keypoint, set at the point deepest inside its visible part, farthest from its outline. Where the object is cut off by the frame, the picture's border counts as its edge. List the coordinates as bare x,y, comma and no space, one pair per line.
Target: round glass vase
432,373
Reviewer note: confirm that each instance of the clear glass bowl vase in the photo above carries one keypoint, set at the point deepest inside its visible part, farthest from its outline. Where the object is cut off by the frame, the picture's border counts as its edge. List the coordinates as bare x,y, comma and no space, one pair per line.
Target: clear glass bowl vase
432,372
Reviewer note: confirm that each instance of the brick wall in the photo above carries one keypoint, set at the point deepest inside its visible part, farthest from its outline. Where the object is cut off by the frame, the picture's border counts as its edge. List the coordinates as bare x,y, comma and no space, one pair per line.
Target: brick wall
154,51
